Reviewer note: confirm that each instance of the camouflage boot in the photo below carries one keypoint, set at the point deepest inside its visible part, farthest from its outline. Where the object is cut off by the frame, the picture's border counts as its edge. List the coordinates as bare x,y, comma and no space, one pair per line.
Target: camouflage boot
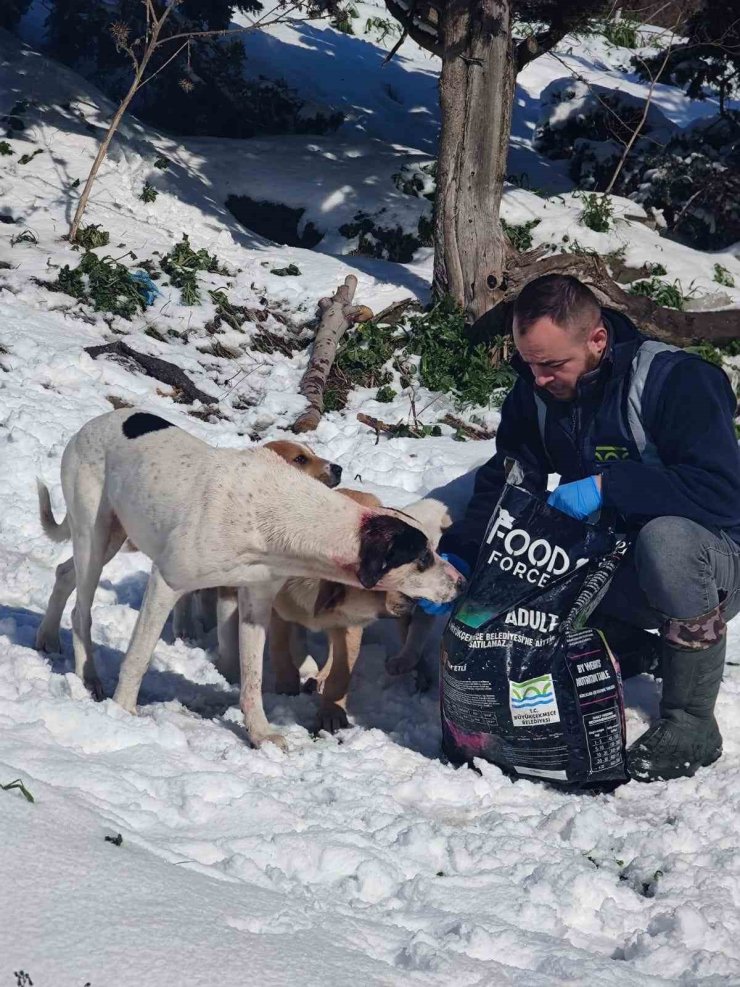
686,737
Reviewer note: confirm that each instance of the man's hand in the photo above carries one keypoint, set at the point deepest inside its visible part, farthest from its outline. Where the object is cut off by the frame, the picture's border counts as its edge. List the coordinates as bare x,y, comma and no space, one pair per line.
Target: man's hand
437,608
578,499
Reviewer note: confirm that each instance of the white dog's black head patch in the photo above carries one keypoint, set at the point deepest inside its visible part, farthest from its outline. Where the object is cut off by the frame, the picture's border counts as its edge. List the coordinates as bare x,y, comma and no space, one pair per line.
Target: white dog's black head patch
141,423
387,542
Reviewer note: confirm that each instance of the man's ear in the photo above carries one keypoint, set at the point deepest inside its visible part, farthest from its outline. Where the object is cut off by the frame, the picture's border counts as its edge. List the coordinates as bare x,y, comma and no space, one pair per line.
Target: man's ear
330,595
387,542
599,339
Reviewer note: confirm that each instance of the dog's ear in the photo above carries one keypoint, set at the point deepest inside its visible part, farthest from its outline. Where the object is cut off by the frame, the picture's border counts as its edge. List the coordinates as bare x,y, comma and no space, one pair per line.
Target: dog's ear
330,595
387,542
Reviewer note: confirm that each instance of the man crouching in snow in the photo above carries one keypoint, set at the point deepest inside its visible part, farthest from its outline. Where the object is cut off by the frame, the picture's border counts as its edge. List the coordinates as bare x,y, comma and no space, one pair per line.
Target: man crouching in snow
647,430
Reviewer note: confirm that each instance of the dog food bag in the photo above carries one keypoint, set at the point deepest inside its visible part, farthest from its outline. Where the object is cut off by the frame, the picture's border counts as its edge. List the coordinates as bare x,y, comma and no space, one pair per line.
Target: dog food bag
524,684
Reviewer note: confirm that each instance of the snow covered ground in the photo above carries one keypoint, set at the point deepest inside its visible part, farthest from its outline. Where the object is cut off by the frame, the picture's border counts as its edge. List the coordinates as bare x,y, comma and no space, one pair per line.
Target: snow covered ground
360,856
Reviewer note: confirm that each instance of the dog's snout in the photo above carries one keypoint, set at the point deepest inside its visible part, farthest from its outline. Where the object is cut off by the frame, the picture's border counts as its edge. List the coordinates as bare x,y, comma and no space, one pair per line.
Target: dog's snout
461,584
335,474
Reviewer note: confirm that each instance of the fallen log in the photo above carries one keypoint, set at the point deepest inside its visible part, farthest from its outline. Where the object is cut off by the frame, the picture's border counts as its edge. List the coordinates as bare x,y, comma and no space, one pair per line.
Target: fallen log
403,430
337,315
666,324
153,366
469,431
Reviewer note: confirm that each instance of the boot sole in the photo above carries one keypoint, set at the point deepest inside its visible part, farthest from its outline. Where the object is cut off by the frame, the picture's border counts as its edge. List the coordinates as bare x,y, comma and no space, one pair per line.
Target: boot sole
676,771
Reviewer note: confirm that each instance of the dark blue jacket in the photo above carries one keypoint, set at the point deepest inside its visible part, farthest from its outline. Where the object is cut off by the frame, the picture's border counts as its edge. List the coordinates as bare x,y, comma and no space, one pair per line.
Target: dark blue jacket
688,408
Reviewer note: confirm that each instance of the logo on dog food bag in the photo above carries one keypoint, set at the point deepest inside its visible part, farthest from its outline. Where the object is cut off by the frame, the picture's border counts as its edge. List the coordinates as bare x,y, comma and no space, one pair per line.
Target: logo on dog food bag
533,703
516,552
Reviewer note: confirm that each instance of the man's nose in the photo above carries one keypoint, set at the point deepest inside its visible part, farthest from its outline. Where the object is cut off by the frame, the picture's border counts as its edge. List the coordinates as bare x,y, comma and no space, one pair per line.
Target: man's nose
542,380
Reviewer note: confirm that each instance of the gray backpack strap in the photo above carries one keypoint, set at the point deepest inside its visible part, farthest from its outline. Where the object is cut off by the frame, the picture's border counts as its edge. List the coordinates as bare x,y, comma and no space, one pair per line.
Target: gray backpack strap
541,420
641,363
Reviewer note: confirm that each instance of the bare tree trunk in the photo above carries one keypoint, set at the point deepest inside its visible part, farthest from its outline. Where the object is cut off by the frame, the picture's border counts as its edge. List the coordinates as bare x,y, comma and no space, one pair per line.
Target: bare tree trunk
100,157
114,124
476,97
337,315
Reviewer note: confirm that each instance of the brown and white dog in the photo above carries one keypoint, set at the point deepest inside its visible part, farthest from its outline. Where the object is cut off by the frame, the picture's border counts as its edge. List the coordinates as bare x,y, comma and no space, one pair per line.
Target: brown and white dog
341,611
210,517
195,613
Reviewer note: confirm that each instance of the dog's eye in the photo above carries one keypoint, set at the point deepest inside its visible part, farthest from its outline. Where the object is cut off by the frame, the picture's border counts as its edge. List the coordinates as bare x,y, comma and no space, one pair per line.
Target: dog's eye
426,561
301,460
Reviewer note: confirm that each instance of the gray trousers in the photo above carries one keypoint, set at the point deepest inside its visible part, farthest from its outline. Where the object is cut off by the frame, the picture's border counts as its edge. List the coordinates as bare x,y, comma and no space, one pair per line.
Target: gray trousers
676,570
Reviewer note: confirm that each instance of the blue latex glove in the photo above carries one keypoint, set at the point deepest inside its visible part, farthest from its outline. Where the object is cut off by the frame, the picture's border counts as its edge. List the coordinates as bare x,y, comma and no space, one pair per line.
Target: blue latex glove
437,608
578,499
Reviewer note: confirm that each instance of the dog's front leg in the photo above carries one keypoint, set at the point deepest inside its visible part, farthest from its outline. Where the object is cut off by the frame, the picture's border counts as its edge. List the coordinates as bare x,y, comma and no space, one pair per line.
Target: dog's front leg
345,648
417,629
255,608
287,679
159,599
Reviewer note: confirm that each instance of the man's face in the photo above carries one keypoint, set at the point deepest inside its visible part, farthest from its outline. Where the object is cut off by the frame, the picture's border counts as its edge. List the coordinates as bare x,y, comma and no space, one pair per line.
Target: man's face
558,357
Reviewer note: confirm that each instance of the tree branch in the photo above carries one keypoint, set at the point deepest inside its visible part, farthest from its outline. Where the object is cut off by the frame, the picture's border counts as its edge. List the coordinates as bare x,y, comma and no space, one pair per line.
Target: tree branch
538,44
641,122
405,17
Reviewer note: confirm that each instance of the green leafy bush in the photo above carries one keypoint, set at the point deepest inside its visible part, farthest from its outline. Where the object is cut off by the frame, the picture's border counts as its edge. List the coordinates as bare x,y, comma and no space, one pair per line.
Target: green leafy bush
622,31
182,264
431,349
92,236
520,234
148,193
668,295
722,276
382,27
102,283
383,242
656,269
291,271
24,159
343,17
597,212
385,394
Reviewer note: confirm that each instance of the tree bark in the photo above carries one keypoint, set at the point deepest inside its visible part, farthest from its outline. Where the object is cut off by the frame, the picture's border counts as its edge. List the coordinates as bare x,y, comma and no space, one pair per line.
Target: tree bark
476,98
337,315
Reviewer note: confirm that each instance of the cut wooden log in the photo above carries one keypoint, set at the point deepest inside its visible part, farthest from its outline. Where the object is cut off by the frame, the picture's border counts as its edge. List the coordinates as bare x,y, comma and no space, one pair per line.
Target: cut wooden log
398,430
392,315
153,366
469,431
337,314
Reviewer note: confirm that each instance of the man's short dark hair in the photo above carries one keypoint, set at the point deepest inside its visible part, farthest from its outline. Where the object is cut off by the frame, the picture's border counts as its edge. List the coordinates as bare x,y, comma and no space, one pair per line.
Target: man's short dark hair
560,297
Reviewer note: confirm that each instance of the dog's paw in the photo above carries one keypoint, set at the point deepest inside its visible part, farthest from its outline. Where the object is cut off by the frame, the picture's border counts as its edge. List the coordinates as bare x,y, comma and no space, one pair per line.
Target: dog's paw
401,663
332,718
95,687
125,702
277,739
48,642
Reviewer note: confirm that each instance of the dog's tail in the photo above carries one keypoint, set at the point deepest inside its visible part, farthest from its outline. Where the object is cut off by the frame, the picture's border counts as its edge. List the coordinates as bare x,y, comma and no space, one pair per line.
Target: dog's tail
53,529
